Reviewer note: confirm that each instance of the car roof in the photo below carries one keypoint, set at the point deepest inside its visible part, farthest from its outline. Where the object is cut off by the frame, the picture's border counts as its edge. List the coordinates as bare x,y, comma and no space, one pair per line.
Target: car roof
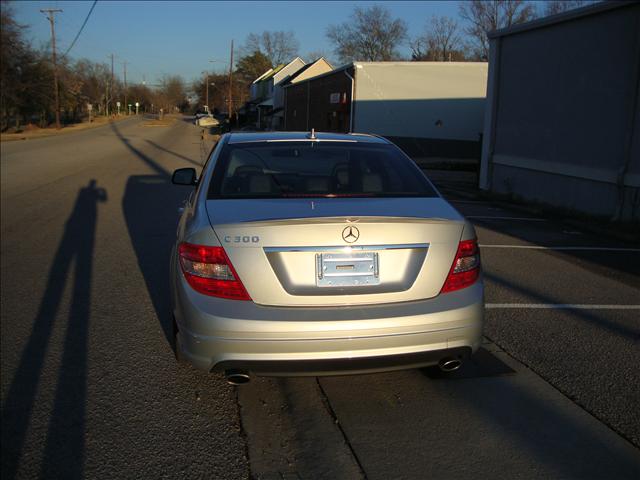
250,137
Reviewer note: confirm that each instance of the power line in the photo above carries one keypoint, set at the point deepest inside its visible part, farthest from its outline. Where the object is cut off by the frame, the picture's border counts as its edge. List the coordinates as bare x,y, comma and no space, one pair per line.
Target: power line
81,28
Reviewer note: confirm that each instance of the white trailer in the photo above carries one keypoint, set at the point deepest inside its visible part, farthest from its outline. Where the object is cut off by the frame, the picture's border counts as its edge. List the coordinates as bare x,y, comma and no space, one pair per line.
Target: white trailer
429,100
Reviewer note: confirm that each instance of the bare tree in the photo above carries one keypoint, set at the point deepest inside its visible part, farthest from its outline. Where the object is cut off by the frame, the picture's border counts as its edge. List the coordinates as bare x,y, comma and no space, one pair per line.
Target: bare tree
553,7
316,54
483,16
440,41
279,47
251,67
172,95
418,47
94,77
370,35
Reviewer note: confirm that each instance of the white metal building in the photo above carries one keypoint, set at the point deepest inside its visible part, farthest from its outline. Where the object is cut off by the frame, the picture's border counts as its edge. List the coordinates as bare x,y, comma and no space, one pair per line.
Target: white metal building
435,107
562,124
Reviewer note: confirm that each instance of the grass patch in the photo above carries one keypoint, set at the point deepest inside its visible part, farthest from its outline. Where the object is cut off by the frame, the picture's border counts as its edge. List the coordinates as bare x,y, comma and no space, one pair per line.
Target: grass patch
31,131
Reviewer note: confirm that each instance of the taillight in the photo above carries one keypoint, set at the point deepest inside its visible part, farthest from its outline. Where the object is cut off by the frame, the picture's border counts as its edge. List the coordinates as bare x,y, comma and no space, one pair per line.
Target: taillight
209,271
466,267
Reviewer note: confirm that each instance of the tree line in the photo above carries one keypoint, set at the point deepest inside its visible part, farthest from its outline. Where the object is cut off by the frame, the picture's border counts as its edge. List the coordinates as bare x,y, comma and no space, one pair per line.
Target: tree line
373,34
86,88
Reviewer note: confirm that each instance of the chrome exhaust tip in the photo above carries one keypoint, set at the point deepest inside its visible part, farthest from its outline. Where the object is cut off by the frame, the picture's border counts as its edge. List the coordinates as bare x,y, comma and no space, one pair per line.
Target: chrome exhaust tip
449,364
237,377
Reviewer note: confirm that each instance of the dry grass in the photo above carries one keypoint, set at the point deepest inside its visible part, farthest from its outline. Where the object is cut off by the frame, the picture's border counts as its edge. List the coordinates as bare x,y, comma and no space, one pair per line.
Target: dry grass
33,132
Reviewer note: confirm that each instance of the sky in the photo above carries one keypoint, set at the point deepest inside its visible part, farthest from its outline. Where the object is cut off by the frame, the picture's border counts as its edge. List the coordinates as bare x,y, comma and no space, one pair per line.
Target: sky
159,38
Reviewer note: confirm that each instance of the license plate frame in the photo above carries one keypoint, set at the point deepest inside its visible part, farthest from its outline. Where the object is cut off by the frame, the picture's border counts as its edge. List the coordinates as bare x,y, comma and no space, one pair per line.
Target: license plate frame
352,269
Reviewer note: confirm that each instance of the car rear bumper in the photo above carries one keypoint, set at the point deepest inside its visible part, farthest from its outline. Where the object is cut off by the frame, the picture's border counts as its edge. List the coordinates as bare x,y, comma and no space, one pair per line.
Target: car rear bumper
341,366
217,335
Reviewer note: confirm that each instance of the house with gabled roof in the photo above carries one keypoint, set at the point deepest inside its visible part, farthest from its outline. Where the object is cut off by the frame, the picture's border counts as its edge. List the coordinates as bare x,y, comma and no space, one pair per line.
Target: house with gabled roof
254,88
317,67
263,89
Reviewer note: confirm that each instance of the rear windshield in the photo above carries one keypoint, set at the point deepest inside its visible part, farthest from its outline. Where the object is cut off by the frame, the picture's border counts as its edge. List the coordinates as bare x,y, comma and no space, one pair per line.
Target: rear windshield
316,169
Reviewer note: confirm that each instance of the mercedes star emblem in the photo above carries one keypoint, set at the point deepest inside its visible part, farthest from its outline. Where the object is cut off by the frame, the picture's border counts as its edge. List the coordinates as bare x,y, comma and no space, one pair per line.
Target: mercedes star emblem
350,234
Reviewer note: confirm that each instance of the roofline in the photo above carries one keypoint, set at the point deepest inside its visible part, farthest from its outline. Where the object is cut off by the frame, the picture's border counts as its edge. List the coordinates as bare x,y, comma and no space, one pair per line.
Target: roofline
355,65
392,63
297,73
330,72
260,77
304,64
297,58
573,14
323,58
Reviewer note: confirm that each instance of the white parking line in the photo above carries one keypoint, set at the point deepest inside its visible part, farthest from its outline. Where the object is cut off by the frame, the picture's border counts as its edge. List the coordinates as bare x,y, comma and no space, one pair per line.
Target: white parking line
491,217
564,306
540,247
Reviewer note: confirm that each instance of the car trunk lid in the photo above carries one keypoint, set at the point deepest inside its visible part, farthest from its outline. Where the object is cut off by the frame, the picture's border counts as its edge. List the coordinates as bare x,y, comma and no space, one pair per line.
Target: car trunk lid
338,251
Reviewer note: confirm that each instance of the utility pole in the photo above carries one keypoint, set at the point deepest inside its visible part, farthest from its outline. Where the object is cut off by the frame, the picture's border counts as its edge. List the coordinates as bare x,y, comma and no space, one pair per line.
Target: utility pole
125,84
111,84
51,15
207,99
207,109
230,84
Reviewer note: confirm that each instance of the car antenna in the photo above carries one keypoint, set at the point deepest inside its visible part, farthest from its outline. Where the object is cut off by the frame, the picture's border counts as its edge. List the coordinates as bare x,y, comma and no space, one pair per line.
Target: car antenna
312,135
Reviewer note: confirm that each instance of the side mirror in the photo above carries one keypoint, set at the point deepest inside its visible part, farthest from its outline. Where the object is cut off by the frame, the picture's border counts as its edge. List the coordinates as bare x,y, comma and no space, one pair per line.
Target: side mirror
185,176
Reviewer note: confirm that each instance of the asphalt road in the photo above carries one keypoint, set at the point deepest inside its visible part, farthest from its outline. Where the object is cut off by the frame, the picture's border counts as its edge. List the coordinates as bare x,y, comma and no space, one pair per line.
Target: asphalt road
90,387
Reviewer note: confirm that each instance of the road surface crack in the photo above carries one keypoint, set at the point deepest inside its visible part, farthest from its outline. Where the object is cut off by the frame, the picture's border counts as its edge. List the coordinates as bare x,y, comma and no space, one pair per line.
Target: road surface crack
332,413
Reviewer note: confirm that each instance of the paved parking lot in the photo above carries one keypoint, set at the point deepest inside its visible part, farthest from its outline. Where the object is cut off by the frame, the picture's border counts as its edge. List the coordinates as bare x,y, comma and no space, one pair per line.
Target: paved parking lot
565,302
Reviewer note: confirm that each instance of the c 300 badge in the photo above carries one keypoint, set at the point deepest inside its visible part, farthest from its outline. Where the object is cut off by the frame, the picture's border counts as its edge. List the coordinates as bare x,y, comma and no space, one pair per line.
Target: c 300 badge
241,239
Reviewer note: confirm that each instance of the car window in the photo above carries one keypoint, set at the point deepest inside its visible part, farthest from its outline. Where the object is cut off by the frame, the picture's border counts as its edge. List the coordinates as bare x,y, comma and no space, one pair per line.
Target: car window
302,169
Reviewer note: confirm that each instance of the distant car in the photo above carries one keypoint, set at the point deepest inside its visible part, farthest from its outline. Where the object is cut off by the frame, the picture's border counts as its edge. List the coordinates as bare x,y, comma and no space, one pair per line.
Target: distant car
206,120
307,254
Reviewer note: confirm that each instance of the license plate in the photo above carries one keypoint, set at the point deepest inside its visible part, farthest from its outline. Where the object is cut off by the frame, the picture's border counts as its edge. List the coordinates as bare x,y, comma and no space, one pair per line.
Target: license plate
353,269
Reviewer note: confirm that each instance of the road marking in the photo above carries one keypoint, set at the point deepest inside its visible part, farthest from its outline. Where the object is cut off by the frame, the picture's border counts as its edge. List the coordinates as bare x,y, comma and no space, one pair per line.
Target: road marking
490,217
563,306
540,247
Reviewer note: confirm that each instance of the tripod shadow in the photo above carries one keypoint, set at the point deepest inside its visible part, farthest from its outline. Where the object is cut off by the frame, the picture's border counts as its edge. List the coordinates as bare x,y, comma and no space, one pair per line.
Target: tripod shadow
150,206
64,449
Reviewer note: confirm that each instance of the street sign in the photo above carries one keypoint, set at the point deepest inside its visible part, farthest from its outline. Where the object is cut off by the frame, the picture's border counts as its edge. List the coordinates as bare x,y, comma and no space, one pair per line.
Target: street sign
117,104
89,107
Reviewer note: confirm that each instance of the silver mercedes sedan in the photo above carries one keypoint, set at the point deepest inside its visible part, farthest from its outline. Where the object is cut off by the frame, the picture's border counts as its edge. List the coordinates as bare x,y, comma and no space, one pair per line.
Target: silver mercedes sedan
320,254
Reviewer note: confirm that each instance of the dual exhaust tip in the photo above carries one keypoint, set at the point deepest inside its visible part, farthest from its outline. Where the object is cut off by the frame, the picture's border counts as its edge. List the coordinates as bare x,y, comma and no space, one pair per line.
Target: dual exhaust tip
237,377
242,377
449,364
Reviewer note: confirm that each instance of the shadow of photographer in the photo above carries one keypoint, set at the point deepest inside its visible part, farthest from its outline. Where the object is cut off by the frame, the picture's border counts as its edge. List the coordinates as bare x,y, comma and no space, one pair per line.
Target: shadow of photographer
73,261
